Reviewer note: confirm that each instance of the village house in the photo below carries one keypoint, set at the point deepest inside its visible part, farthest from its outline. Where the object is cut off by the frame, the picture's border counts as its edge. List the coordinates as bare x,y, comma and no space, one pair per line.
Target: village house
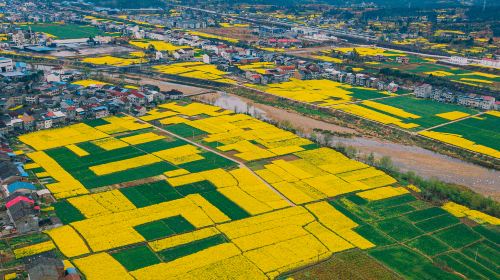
9,172
22,212
443,95
99,112
403,59
183,54
423,91
45,266
477,101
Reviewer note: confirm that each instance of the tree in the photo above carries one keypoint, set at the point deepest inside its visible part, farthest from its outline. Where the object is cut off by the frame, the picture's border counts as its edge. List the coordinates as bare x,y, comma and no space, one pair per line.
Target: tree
370,159
91,41
314,137
328,138
385,163
151,50
355,54
351,152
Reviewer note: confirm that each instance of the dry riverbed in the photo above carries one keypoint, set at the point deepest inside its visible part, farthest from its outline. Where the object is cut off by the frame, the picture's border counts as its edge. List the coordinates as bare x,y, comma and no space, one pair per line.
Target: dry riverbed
423,162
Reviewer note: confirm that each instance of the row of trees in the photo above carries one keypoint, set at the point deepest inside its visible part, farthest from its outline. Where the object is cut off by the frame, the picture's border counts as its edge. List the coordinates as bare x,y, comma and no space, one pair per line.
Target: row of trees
437,191
432,190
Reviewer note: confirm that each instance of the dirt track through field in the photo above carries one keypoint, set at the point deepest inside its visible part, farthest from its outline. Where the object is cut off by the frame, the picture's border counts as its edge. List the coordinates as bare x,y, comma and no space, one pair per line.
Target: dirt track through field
423,162
240,164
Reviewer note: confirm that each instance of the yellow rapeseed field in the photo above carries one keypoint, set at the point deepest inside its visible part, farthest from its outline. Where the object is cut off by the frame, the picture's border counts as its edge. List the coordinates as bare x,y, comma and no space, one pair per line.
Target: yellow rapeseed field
142,138
157,114
170,242
34,249
197,70
88,83
102,266
454,115
439,73
66,185
460,211
382,193
482,74
121,124
311,178
327,58
258,67
114,230
42,174
110,143
494,113
370,51
229,25
461,142
194,109
476,80
58,137
102,203
320,92
159,45
414,188
377,116
276,237
212,36
68,241
114,61
338,223
77,150
176,172
238,185
390,109
180,155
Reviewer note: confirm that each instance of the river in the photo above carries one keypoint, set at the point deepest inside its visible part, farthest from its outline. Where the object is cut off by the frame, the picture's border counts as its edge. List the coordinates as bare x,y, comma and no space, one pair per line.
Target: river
423,162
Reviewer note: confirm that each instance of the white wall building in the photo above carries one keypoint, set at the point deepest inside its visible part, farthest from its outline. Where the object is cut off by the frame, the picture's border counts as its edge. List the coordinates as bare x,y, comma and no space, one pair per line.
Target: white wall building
6,65
490,62
423,91
460,60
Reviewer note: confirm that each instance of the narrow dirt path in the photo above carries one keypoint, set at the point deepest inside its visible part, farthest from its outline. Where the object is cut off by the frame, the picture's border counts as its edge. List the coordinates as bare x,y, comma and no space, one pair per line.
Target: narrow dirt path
454,121
240,164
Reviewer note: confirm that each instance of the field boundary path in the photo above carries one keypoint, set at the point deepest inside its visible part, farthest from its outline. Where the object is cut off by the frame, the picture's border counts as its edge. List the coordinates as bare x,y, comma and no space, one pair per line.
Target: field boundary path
454,121
376,98
240,164
332,109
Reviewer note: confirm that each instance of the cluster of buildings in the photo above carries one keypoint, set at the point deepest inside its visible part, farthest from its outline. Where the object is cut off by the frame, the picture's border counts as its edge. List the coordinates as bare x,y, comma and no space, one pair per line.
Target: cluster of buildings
11,69
23,201
46,104
229,58
463,61
483,102
363,80
22,197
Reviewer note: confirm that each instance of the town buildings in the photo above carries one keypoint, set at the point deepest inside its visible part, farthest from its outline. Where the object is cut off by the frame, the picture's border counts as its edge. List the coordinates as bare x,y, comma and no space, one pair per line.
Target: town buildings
482,102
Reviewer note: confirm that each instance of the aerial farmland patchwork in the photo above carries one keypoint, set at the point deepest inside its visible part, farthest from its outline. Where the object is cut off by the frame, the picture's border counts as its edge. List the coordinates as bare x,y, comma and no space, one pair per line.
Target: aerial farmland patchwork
245,139
195,191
